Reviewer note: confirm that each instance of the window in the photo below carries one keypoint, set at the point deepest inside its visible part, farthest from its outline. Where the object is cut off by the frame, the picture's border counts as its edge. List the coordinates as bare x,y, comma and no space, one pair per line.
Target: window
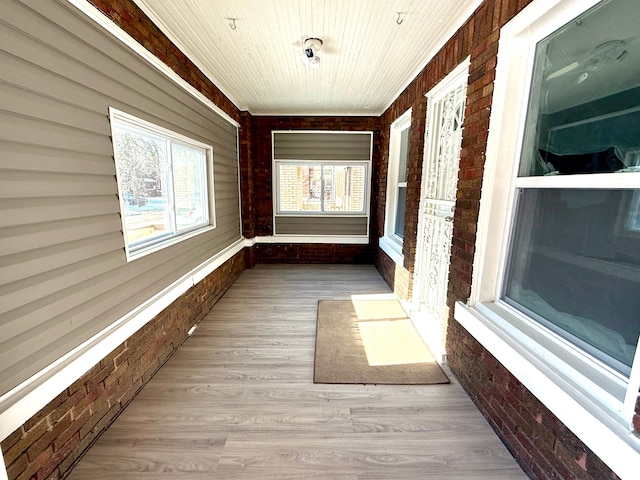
556,270
569,267
392,241
163,183
321,187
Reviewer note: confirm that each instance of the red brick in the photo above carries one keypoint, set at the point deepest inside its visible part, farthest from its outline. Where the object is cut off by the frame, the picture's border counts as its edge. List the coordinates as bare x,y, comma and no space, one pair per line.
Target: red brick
12,439
19,465
45,440
26,441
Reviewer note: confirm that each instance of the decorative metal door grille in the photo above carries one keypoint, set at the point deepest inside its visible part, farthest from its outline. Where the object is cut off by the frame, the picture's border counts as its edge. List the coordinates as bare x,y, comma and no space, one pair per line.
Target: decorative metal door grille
445,113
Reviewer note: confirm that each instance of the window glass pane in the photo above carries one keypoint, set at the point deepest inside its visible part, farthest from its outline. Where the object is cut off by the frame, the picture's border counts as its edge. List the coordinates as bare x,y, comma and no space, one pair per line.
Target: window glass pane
162,181
404,152
189,186
574,265
142,166
300,187
584,110
402,199
344,188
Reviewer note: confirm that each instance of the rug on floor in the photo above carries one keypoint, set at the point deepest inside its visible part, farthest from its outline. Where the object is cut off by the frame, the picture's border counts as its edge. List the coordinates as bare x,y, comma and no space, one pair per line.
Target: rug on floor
371,342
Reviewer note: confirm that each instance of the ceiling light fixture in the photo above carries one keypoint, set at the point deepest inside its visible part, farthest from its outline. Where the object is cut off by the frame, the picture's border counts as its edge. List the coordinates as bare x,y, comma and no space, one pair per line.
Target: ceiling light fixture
310,49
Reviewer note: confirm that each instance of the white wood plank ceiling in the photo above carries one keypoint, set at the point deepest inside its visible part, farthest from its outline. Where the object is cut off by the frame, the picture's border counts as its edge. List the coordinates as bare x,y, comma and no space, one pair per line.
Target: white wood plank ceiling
370,53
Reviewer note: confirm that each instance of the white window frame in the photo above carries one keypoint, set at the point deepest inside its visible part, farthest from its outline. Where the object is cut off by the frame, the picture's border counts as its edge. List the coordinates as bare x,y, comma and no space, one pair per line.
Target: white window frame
118,117
391,243
591,399
322,163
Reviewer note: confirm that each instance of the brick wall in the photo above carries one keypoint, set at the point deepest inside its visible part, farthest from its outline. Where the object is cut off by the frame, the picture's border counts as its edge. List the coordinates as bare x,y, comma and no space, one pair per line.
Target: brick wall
247,175
311,253
255,164
541,443
50,442
543,446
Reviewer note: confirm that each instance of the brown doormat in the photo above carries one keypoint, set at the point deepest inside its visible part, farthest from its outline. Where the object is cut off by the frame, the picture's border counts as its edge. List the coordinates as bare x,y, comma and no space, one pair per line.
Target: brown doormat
371,341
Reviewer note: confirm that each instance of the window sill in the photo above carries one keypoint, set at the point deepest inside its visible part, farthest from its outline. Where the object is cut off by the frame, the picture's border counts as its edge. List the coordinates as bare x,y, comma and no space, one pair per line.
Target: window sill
173,240
393,248
592,413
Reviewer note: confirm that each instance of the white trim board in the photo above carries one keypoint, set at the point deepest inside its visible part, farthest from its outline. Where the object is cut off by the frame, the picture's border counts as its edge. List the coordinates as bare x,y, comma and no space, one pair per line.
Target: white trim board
392,249
21,403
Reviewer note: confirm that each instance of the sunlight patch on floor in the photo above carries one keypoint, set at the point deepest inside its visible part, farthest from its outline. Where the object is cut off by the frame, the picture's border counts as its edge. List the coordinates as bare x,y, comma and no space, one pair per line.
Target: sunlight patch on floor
393,342
387,334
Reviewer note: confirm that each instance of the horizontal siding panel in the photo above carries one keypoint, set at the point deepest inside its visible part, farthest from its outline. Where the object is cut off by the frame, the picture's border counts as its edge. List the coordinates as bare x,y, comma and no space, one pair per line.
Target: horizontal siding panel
77,63
44,82
26,264
224,184
227,163
20,239
227,199
63,271
226,224
32,289
55,85
30,104
15,212
17,156
320,225
226,210
17,128
321,146
34,185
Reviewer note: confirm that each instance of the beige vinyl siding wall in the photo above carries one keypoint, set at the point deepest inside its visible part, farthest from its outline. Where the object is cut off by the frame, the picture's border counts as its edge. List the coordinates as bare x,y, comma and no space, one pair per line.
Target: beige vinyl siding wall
324,146
63,271
292,225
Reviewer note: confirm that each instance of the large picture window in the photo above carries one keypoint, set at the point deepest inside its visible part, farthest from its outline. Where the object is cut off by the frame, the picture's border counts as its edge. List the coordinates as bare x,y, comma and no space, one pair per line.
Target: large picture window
163,181
572,265
321,185
556,270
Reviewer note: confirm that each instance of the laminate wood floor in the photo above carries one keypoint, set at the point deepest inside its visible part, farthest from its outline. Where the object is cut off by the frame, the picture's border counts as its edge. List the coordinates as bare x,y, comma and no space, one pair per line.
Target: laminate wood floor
237,401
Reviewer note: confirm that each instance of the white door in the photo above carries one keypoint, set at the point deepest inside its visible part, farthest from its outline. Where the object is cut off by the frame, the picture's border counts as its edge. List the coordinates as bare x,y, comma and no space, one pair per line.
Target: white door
443,138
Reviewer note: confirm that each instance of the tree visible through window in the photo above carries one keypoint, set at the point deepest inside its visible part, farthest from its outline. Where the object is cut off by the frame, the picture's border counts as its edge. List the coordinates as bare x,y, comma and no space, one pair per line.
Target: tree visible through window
162,182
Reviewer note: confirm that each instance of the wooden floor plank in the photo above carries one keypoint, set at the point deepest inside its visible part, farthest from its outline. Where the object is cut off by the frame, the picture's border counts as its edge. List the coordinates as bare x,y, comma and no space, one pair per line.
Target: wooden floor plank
237,401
